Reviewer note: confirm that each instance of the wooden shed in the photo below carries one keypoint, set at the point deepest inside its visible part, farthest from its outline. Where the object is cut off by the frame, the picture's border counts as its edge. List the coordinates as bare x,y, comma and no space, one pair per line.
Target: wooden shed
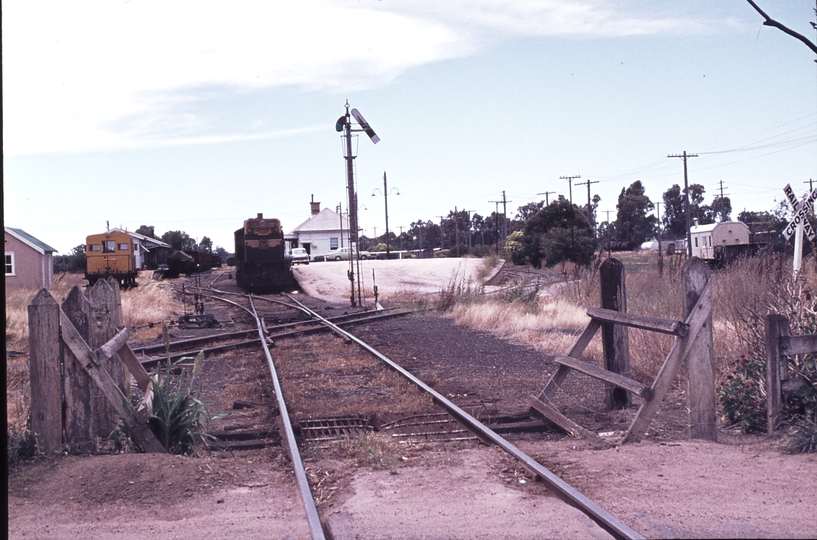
28,260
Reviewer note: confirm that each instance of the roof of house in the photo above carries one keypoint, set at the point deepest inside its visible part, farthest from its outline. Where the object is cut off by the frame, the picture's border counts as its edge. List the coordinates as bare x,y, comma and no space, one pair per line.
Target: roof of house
29,240
325,220
696,229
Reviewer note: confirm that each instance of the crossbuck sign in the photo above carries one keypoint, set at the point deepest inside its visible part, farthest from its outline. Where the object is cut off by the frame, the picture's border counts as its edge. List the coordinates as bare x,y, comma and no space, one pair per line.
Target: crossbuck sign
801,209
799,224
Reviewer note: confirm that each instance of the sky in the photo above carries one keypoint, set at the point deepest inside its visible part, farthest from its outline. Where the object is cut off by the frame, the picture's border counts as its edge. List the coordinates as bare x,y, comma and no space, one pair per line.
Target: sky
197,115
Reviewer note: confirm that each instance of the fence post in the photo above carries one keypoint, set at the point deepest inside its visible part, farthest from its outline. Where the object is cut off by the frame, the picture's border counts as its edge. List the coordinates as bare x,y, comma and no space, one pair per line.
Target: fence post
105,320
700,362
44,370
777,326
80,417
615,337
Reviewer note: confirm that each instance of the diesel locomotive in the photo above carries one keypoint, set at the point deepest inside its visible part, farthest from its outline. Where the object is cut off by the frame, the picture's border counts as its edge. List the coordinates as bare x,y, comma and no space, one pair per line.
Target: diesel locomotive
261,261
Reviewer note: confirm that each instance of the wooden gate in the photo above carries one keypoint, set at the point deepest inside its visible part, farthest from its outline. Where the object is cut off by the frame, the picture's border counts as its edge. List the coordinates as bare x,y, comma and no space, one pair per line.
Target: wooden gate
693,343
78,355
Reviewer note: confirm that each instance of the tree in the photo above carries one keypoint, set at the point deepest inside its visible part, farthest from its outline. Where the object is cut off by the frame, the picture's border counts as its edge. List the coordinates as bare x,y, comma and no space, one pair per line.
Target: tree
524,213
721,208
73,262
633,221
768,21
559,232
221,252
146,230
423,235
206,245
179,240
674,218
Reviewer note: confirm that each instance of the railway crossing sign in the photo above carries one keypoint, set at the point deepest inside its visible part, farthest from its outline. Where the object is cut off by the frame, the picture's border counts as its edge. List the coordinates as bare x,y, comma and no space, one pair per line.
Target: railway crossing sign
801,210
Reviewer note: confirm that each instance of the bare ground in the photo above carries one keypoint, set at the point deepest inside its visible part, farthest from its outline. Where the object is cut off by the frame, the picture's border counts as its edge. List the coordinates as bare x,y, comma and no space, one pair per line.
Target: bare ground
666,486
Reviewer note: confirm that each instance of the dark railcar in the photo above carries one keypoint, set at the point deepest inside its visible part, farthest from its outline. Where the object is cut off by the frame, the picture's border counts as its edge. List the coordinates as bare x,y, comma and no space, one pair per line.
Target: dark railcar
261,263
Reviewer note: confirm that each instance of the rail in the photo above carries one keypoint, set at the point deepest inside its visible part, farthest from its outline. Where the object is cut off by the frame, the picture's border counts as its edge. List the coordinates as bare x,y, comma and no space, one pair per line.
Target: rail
601,516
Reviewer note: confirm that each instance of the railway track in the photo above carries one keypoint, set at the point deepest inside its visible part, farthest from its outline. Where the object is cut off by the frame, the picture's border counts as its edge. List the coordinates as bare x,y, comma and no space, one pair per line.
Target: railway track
445,423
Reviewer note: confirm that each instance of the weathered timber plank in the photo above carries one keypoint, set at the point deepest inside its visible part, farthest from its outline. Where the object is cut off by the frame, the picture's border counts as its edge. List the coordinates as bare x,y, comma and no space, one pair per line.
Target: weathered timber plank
700,360
604,375
44,371
572,428
104,323
136,368
792,345
777,329
113,345
576,352
615,338
644,322
80,422
696,320
86,358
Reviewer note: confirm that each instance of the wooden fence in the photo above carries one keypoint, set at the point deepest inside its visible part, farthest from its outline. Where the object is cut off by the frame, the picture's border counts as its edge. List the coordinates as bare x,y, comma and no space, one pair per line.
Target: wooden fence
78,353
693,345
779,345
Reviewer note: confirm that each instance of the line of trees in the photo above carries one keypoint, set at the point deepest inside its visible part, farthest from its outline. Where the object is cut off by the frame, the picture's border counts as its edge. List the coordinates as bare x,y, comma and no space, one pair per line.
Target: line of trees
546,235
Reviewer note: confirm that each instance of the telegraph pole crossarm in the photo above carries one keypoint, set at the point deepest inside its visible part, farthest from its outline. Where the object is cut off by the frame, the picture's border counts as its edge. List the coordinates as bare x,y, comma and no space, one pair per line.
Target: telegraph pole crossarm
570,184
546,193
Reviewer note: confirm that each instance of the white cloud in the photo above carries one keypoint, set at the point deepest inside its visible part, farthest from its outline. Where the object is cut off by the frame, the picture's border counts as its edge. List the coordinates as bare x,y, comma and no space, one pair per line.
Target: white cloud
72,70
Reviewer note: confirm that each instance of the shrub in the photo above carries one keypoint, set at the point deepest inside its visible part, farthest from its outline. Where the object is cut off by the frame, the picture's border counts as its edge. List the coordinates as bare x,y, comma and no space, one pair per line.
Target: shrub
20,445
742,397
515,248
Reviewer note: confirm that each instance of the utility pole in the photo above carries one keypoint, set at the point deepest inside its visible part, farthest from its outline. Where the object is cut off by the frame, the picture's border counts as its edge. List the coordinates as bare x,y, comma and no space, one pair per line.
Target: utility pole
496,224
442,235
589,208
386,200
720,182
504,216
685,156
340,214
457,230
546,193
570,184
810,183
658,209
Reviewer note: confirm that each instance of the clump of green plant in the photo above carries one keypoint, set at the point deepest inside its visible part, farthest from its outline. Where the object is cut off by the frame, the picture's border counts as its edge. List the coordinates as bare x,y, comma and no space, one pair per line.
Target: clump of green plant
743,397
178,417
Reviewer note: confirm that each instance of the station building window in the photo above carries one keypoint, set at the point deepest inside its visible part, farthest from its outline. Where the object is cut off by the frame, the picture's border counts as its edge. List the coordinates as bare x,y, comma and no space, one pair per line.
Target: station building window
333,244
9,264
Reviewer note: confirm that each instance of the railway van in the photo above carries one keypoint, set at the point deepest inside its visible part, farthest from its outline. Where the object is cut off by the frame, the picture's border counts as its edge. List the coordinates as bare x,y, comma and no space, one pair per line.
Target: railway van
119,254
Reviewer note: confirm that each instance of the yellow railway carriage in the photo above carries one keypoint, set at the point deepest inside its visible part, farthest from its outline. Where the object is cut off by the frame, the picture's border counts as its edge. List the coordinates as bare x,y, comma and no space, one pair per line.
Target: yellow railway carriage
120,253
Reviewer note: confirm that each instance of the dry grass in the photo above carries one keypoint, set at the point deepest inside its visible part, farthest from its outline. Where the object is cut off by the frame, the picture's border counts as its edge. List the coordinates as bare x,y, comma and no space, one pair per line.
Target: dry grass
150,302
550,325
743,294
